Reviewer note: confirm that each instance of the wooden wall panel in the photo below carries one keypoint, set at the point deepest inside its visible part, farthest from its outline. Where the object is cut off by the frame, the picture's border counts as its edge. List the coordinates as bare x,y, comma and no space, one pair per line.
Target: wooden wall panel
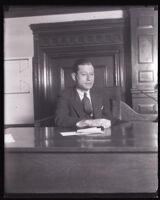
145,43
144,57
145,76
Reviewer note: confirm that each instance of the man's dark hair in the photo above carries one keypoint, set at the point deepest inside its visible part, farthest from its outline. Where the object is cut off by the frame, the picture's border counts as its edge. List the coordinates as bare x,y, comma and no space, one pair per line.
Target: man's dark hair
78,62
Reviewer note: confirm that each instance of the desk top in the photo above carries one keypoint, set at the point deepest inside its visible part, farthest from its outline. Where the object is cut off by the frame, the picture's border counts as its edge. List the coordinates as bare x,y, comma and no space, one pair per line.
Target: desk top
123,137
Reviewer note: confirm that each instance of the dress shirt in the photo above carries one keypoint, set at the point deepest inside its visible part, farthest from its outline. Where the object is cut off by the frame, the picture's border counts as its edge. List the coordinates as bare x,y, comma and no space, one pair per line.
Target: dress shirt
81,94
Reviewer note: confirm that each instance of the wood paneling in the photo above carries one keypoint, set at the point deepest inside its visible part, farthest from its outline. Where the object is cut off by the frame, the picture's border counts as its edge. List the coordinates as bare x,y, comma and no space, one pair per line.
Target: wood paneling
75,38
145,42
145,21
121,160
96,173
146,76
144,58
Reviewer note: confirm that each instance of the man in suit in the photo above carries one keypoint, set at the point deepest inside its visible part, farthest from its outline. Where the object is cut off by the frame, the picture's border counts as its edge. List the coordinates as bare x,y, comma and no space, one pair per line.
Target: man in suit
82,105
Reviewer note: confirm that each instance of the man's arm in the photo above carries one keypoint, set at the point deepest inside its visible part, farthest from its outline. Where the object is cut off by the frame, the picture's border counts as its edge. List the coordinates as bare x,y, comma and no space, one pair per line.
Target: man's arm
106,116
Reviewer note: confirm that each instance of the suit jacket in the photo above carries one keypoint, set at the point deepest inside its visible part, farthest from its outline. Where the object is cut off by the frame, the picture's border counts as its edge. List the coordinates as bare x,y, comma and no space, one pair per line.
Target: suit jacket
70,109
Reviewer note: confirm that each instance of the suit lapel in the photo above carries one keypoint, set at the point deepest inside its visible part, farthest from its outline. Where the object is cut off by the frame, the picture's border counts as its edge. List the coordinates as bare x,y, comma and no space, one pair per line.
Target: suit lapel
77,104
97,103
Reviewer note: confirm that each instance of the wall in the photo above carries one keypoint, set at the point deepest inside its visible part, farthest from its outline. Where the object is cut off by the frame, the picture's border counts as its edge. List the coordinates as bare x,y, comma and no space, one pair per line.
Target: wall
18,91
18,44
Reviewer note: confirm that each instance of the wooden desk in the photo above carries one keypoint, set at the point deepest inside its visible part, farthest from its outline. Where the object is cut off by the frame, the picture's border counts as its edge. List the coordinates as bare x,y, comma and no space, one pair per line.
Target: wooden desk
122,160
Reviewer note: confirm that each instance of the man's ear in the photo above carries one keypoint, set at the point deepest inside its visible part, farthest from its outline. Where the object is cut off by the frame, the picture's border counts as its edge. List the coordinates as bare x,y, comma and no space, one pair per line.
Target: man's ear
73,75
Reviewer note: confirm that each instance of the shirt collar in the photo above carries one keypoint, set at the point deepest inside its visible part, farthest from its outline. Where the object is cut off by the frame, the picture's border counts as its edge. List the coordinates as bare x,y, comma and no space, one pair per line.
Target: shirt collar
81,93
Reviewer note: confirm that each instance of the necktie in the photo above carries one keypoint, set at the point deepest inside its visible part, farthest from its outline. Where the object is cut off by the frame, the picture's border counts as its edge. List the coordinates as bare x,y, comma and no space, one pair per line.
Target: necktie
87,104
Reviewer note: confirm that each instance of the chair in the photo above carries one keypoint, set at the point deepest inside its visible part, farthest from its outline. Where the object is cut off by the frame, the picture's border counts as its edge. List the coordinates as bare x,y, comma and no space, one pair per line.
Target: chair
127,113
123,111
114,94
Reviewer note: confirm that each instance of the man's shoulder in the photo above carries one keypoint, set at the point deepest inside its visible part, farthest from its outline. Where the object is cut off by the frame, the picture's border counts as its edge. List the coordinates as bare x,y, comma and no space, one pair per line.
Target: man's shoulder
98,91
67,92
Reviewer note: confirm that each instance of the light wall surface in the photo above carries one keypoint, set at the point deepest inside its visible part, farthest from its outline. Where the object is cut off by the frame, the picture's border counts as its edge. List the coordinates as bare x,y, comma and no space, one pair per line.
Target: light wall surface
18,38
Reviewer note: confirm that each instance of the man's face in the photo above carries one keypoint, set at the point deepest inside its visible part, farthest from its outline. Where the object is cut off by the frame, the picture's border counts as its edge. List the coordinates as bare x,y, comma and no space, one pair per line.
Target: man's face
85,77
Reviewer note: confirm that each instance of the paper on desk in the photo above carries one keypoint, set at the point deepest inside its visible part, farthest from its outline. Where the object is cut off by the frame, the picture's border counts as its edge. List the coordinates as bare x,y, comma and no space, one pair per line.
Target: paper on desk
85,131
68,133
90,130
8,138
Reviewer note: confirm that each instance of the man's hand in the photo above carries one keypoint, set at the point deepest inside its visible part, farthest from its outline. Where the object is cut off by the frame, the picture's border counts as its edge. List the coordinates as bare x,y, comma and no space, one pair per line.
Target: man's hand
82,123
105,123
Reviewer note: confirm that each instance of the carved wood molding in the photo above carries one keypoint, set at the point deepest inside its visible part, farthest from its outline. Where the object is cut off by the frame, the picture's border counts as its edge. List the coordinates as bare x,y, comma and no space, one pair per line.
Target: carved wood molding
78,25
80,39
143,108
138,91
79,33
151,94
86,51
